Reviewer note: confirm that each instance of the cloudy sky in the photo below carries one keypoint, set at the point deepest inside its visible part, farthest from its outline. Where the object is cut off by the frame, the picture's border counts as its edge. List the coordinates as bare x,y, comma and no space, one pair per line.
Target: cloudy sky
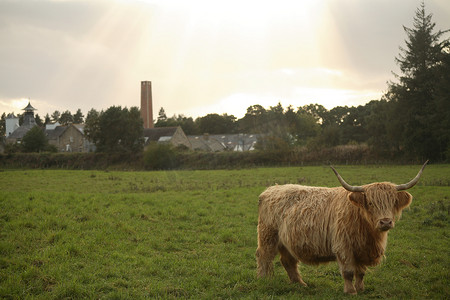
202,56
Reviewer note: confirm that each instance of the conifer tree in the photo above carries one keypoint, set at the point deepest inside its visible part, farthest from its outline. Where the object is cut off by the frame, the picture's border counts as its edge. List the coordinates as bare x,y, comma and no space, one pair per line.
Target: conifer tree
410,126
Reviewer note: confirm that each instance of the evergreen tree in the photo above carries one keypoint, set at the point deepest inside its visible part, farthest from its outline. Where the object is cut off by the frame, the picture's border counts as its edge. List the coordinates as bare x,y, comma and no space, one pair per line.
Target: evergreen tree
47,119
91,128
38,120
78,117
55,116
66,118
3,125
162,115
414,97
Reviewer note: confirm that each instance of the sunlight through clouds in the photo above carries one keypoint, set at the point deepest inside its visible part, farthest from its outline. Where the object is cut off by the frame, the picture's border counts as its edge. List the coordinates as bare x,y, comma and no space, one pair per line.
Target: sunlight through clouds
201,56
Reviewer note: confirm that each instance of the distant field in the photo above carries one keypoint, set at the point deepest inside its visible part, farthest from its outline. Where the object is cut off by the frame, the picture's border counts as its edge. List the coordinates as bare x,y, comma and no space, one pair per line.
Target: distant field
192,234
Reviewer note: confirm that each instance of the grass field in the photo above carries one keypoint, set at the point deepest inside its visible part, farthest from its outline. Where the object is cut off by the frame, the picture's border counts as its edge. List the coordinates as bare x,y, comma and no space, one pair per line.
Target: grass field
192,234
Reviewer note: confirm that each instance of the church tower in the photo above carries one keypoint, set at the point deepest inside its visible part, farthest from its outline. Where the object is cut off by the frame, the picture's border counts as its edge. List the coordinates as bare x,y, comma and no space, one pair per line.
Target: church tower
146,104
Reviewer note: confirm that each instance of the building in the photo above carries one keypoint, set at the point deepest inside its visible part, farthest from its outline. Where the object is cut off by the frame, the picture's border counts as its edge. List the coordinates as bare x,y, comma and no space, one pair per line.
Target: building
224,142
68,138
171,135
28,122
12,123
206,143
147,104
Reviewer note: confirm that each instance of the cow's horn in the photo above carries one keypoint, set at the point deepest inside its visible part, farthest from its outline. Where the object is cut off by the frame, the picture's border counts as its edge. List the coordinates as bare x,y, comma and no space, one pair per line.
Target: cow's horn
347,186
402,187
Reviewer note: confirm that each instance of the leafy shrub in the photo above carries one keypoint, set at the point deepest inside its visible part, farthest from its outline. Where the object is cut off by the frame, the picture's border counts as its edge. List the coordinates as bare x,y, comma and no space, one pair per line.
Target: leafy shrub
160,157
34,140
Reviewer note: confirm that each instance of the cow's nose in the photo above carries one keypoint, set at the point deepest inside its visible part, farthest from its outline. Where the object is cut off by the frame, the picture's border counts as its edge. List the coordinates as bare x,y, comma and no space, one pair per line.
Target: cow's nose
386,224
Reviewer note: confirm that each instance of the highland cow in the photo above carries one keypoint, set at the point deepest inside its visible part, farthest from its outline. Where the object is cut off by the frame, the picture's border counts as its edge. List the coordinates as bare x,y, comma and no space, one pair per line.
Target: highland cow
314,225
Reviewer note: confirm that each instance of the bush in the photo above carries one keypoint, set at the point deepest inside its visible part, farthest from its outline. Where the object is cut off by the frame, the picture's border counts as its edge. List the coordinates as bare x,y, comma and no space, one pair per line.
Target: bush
160,157
34,140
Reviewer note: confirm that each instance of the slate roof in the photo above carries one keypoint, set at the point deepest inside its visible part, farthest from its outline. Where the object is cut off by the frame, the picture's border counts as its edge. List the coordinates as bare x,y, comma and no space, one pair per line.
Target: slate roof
154,134
233,142
205,143
20,132
54,134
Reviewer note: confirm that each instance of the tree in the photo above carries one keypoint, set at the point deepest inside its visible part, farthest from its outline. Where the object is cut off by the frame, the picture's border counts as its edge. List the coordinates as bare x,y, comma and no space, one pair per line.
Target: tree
186,123
120,130
162,117
66,118
47,119
441,124
306,127
216,124
253,120
78,117
55,116
38,120
318,111
34,140
3,125
415,101
91,128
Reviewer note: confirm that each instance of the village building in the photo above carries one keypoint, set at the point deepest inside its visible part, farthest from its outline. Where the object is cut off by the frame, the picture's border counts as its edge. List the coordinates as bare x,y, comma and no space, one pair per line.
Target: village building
28,122
68,138
205,143
170,135
224,142
11,124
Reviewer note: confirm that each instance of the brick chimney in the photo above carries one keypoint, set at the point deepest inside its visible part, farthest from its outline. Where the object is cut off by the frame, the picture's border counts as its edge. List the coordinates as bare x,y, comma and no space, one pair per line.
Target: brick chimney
146,104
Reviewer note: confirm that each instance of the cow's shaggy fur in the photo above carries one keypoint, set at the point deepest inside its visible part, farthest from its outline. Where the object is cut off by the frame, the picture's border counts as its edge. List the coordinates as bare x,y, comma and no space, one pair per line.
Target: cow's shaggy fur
316,225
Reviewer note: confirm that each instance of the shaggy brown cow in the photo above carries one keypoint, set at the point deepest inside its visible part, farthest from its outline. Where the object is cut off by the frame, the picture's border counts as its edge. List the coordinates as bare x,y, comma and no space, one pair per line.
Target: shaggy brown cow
316,224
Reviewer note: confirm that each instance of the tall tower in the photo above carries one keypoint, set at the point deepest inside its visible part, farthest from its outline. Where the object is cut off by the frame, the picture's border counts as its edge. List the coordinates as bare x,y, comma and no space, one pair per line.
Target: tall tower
146,104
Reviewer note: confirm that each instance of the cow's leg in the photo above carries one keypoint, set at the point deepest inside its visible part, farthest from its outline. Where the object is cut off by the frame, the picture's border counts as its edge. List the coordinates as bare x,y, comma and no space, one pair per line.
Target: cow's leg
348,272
359,279
289,262
267,249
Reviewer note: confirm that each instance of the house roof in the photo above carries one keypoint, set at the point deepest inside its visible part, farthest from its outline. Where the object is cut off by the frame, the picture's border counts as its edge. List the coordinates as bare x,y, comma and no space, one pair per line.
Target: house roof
235,142
53,134
206,143
21,131
154,134
80,127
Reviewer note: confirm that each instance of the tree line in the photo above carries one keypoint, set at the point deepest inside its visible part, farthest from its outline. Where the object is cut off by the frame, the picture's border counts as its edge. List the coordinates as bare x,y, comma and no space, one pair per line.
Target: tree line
412,119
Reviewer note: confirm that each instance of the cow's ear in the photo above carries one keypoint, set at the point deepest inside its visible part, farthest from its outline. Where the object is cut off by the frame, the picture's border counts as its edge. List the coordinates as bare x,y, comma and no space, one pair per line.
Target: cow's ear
404,199
357,198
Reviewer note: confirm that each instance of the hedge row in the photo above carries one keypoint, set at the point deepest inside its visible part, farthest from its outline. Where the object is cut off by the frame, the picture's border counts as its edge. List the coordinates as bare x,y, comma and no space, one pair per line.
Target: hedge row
165,158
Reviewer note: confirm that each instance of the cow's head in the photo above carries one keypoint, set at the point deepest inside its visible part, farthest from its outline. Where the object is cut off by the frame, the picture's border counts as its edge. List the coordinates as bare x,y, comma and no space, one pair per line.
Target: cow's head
381,202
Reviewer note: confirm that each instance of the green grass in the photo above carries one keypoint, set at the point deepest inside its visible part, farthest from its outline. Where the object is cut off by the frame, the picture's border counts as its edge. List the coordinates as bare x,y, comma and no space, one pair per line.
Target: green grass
192,234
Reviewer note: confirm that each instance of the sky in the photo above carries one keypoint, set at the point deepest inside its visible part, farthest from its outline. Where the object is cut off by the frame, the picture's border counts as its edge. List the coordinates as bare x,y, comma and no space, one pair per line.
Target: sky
201,56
